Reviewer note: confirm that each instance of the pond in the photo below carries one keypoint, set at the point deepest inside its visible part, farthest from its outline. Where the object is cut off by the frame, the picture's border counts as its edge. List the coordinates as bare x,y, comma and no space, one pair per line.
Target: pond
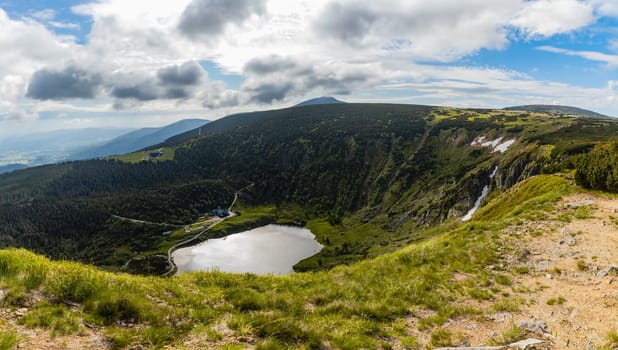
269,249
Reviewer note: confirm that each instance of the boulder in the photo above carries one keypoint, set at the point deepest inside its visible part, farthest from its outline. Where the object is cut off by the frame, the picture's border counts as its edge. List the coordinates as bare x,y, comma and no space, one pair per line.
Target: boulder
606,271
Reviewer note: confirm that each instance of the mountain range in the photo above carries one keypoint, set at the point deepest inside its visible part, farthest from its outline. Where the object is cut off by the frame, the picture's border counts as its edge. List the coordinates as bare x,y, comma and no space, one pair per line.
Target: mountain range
138,139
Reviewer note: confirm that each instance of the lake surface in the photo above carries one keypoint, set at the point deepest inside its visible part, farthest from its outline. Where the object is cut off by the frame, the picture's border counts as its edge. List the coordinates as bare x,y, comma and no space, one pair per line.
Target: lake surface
269,249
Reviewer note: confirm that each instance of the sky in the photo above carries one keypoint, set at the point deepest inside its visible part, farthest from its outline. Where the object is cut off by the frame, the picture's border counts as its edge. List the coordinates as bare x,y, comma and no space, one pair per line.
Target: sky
118,63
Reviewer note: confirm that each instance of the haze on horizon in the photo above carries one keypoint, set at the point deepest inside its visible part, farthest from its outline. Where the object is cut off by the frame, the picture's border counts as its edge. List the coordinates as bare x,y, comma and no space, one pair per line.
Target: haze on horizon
78,64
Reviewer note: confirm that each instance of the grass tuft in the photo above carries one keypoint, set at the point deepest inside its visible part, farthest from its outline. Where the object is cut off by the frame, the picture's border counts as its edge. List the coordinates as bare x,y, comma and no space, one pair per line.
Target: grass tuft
8,340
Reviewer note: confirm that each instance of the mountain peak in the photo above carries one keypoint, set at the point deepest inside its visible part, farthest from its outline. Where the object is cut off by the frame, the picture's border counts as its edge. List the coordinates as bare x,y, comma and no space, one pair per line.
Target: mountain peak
324,100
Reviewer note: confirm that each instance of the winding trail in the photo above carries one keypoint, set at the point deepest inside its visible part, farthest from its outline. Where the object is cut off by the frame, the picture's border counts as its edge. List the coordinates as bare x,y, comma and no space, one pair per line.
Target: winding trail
136,221
170,260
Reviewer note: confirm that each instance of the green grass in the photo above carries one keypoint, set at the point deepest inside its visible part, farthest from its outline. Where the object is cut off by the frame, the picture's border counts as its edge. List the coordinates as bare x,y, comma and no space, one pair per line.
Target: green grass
8,340
556,301
532,196
611,341
55,317
136,157
511,335
507,305
441,338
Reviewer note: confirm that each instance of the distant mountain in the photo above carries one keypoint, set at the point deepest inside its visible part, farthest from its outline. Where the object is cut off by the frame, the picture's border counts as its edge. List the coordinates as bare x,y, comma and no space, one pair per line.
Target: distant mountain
326,100
566,110
11,167
139,139
52,146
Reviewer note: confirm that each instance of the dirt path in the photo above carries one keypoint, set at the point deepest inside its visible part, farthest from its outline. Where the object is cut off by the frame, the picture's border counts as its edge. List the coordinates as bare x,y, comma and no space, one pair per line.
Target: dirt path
565,288
38,338
170,259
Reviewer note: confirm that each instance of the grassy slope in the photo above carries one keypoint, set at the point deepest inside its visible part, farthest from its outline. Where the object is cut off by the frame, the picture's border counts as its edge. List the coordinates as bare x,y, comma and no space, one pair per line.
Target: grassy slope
368,304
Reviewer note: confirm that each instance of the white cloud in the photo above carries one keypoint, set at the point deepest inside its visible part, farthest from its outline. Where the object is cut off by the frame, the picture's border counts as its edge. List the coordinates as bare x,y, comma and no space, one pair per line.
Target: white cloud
64,25
607,8
44,15
611,60
18,115
544,18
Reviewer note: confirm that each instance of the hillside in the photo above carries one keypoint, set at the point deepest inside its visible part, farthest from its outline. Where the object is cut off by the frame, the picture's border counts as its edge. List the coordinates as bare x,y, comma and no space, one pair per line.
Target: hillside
139,139
367,178
11,167
533,263
562,110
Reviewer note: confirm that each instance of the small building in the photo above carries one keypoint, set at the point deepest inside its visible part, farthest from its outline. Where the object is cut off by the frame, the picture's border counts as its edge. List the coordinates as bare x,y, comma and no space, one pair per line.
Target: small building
156,154
222,213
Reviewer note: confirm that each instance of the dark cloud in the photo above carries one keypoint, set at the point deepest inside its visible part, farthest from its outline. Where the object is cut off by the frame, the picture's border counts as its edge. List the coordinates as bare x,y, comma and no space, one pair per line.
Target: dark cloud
274,78
270,92
72,82
141,92
189,73
350,23
205,18
171,83
271,64
177,94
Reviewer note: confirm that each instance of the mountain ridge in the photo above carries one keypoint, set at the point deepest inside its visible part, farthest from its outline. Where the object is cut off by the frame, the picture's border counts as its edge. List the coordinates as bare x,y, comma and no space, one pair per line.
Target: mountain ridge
567,110
139,139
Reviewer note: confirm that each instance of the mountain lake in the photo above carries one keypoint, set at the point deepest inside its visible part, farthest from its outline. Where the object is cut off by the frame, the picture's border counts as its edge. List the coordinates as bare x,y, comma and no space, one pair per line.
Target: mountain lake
271,249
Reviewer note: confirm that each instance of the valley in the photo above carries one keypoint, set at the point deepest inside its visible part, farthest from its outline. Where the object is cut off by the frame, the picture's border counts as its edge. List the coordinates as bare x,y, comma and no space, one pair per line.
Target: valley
514,266
437,227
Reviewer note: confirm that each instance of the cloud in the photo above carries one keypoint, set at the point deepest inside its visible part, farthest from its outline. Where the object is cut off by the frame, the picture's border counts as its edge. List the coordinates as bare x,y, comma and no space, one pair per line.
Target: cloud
216,96
440,30
149,91
173,82
611,60
64,25
189,73
145,91
350,23
274,78
607,8
72,82
270,64
206,18
544,18
44,15
269,92
20,116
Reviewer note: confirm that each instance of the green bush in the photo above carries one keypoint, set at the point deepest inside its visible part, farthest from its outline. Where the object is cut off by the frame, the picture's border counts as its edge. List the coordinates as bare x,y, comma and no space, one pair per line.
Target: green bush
598,169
